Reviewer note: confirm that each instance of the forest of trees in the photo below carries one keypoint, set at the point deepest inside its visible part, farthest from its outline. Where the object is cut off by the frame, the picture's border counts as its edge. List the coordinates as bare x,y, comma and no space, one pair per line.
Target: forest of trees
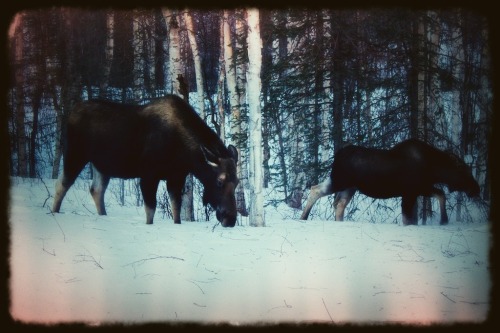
327,78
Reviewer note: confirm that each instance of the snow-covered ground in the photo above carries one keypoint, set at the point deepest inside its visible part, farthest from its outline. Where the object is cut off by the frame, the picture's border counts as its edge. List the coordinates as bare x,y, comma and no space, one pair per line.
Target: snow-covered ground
78,266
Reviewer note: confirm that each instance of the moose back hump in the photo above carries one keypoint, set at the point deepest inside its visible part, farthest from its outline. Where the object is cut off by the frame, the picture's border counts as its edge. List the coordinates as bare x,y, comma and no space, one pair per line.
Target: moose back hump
163,140
410,169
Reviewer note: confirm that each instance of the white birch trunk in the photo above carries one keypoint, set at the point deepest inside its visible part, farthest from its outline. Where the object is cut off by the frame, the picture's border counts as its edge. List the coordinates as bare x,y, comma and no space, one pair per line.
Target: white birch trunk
235,101
230,72
220,84
138,58
458,76
175,70
326,151
255,119
197,64
174,50
421,82
435,105
240,122
295,138
456,120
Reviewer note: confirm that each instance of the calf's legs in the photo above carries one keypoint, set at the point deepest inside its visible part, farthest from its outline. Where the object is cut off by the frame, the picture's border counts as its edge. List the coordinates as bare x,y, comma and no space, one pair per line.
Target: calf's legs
149,186
99,184
174,188
342,199
317,191
71,170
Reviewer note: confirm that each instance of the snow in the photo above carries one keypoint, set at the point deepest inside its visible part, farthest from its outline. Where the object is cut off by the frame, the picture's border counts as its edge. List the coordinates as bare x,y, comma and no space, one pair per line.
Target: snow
77,266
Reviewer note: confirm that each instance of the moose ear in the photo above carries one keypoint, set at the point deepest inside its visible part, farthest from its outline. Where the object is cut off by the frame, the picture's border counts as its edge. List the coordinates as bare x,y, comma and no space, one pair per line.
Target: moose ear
234,152
210,158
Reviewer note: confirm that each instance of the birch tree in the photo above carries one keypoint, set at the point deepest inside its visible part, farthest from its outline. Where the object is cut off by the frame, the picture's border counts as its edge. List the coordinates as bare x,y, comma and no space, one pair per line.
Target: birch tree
176,78
254,43
236,98
174,52
221,81
138,57
197,63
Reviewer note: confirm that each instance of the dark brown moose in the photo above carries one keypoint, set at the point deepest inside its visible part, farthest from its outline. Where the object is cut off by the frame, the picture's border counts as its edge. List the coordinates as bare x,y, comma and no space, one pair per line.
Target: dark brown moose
163,140
410,169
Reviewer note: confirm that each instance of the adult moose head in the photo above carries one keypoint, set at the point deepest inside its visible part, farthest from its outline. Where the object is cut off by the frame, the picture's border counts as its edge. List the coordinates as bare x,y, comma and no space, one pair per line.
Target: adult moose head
410,169
163,140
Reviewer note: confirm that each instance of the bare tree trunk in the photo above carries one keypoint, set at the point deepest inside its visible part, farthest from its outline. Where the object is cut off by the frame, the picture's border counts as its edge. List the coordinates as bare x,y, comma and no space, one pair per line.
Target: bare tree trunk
220,83
174,63
296,173
37,99
485,110
138,57
110,28
255,119
235,99
179,87
456,122
417,89
16,39
56,164
197,64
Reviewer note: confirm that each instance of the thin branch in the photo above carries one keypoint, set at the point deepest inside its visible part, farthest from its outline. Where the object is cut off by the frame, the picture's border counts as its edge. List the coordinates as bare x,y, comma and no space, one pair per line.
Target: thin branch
142,261
89,258
196,284
447,297
329,315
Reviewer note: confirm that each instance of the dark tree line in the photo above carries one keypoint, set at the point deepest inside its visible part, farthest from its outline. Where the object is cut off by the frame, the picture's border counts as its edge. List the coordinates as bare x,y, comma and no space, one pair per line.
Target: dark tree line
329,78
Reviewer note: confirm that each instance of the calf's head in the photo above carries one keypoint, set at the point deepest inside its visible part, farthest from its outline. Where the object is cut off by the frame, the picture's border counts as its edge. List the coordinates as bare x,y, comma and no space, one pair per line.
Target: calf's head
461,178
220,187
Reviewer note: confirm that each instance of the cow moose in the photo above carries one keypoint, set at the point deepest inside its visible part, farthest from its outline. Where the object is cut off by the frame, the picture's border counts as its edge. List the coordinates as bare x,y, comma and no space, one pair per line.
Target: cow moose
163,140
410,169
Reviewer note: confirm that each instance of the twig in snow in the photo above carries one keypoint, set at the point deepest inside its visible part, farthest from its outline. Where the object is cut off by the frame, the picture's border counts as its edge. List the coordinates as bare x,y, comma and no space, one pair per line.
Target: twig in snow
57,222
46,188
474,303
201,306
284,239
142,261
89,258
288,306
53,253
329,315
196,284
447,297
451,252
387,292
199,260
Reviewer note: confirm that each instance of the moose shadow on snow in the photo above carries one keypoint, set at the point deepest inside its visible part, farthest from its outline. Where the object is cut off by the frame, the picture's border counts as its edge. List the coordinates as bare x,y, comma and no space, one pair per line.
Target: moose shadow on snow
410,169
163,140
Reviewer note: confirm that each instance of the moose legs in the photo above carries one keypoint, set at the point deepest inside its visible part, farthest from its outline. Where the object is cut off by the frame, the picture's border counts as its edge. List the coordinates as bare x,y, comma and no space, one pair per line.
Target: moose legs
439,194
99,184
174,188
71,170
317,191
342,199
409,205
408,208
149,186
